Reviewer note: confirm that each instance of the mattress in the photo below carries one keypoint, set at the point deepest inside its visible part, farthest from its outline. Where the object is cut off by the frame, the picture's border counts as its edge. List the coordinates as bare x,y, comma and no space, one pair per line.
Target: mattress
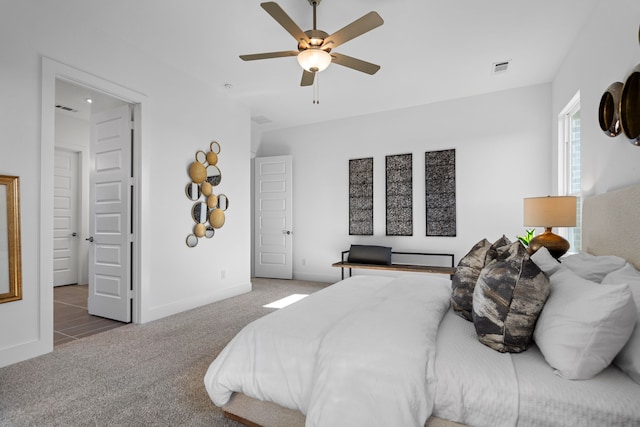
480,387
611,398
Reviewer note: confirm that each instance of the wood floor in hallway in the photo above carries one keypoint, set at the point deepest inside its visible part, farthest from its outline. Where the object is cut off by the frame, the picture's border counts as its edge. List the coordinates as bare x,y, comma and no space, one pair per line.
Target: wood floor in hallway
71,320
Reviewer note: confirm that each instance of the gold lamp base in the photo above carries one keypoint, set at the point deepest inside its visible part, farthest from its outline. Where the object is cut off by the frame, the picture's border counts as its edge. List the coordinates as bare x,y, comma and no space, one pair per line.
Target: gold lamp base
556,245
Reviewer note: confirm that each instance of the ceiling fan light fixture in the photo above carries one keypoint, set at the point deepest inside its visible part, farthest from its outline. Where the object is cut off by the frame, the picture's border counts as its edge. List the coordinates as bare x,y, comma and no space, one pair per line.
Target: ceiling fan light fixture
314,60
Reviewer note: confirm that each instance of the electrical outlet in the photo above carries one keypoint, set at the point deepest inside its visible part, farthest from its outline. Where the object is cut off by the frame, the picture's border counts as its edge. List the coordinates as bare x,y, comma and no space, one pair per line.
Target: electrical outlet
304,262
223,274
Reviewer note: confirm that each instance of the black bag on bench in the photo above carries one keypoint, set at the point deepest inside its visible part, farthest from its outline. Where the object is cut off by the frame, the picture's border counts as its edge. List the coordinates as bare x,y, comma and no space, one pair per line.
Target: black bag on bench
369,254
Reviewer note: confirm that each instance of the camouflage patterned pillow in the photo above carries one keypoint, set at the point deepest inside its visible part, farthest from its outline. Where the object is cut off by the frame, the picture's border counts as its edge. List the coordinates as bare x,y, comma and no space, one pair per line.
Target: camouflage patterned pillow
500,250
467,272
507,300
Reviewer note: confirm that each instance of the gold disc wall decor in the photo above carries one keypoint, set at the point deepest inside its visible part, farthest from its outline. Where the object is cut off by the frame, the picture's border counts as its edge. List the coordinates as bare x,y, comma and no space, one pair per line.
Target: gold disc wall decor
208,214
206,188
199,230
212,158
197,172
216,219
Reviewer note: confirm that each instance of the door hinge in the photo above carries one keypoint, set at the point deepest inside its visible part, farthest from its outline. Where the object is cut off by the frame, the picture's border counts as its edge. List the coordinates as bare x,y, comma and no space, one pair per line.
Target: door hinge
131,294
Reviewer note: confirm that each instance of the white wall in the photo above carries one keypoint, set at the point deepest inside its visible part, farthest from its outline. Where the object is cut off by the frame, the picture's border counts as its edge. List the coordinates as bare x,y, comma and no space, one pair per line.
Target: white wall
502,142
506,147
180,115
605,52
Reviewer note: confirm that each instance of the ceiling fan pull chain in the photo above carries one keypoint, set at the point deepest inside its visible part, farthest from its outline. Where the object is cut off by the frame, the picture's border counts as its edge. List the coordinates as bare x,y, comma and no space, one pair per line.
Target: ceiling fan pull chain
316,89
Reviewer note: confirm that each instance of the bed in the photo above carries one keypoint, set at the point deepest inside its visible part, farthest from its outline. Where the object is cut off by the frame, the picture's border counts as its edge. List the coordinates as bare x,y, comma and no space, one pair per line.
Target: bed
390,351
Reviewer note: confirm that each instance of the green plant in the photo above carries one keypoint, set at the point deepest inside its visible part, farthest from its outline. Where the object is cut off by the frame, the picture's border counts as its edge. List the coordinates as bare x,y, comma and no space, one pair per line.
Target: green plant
527,238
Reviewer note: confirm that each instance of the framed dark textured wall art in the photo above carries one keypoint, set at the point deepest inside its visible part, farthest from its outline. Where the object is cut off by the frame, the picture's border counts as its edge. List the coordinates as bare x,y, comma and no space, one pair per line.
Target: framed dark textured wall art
361,197
399,179
440,189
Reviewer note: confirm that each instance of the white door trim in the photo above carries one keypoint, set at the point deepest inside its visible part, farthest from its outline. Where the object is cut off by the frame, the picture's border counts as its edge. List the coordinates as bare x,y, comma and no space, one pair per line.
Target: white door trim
51,70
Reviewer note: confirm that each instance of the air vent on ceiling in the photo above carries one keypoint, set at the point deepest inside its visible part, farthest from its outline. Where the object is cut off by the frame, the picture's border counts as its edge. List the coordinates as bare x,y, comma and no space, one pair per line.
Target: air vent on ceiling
261,120
65,108
500,67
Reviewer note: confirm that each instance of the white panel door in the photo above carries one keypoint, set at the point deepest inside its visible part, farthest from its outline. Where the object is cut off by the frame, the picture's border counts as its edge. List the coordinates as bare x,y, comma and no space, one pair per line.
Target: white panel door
273,217
65,218
110,215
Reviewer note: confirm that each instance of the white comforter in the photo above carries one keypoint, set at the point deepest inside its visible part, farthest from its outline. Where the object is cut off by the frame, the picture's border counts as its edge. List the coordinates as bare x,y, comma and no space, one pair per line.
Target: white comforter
358,353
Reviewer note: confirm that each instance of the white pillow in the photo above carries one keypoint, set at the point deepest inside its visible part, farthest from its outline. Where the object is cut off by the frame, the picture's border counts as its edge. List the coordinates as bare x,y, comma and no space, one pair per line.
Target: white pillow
629,357
583,325
545,261
592,267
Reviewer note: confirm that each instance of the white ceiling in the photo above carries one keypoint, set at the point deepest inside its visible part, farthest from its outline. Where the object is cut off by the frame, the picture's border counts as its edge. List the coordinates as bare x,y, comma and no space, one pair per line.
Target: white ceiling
74,97
429,51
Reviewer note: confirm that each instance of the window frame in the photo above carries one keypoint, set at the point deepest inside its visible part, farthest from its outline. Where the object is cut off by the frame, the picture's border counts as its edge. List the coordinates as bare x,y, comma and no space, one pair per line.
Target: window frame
566,168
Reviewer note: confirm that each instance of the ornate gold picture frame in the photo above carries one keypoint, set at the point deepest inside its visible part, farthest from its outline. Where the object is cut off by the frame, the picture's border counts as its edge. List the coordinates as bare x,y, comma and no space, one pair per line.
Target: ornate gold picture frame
10,259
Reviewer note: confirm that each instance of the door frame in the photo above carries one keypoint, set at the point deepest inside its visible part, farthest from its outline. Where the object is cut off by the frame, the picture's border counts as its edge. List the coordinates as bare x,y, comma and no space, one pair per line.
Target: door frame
52,70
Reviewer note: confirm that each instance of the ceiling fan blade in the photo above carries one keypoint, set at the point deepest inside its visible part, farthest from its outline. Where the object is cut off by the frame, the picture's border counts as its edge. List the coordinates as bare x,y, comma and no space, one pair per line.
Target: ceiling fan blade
358,27
268,55
307,78
287,23
356,64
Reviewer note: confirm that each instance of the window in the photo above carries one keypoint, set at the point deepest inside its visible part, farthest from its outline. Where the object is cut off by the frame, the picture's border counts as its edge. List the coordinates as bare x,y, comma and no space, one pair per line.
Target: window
569,164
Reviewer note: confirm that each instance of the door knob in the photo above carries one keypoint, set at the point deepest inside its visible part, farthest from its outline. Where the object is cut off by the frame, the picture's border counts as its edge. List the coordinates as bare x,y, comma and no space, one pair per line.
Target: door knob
74,234
90,239
286,232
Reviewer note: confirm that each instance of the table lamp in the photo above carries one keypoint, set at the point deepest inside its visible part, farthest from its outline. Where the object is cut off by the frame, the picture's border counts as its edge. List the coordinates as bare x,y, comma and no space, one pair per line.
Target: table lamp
549,212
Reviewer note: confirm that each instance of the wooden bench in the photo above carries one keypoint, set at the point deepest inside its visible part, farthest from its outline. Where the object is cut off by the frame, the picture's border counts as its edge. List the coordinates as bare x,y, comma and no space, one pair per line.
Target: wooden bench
399,266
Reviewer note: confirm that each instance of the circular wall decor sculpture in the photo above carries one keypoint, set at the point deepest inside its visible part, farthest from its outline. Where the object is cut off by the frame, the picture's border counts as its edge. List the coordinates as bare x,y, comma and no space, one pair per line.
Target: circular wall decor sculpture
201,156
212,201
214,176
199,212
193,191
223,202
609,111
215,147
192,240
630,106
208,214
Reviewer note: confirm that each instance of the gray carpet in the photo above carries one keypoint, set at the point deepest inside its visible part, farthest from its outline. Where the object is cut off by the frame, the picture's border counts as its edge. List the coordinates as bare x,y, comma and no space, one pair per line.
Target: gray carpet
136,375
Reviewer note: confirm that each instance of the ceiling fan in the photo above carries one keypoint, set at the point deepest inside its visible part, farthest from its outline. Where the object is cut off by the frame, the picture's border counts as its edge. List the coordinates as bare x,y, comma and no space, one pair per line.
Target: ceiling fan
314,46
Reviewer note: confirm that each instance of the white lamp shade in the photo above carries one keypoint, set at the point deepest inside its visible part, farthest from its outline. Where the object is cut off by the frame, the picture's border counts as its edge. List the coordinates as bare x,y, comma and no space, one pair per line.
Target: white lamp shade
556,211
314,60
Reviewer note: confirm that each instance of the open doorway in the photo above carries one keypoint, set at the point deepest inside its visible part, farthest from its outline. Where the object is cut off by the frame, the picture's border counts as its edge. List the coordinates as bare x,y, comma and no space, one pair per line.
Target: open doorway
74,105
52,71
75,298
